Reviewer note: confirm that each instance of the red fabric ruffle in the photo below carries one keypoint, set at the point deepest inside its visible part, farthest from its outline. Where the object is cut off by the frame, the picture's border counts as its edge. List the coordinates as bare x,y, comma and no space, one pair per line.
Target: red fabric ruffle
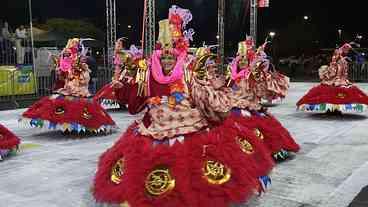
106,92
73,109
334,95
185,162
276,137
8,140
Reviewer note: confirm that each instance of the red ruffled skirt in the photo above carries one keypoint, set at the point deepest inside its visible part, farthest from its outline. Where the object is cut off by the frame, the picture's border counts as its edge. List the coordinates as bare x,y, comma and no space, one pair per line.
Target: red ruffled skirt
269,130
106,96
8,141
68,114
325,97
209,168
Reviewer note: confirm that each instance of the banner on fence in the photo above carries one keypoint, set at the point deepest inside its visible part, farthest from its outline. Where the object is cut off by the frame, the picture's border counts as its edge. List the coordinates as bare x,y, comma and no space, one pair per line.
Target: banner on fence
15,81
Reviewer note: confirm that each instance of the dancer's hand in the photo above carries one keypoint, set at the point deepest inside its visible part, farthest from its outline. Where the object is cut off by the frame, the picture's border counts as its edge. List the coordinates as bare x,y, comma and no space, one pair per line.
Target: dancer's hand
117,84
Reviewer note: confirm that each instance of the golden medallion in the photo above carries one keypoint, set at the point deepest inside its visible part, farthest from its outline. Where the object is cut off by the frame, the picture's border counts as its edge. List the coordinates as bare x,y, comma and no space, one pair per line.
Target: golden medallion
216,173
341,95
245,146
258,133
159,181
125,204
86,114
117,171
59,110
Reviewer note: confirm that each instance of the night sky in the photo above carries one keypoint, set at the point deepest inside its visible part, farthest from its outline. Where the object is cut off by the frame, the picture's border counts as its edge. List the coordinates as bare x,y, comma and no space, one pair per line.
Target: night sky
285,17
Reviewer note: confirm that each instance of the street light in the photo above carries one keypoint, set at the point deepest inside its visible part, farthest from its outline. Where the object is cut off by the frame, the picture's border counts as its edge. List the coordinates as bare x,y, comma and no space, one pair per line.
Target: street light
272,34
129,26
340,32
306,17
217,36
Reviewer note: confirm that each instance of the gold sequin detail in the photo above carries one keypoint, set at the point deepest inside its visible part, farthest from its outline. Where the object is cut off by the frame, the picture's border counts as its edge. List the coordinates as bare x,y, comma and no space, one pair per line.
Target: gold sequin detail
159,181
117,171
258,133
245,146
86,114
59,110
341,95
216,173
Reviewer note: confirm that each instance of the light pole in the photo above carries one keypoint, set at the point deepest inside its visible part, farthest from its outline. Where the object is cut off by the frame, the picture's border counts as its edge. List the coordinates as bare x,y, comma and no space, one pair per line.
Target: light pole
273,57
272,34
253,20
31,28
221,33
340,35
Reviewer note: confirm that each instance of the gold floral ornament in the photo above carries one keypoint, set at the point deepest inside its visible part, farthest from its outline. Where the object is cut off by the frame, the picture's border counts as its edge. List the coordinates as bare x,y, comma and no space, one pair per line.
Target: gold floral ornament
159,181
216,173
245,146
59,110
86,114
341,95
258,133
117,171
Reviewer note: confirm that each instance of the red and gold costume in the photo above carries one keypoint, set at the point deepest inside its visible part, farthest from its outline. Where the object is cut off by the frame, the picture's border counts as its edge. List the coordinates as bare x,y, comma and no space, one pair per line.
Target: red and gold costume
126,66
70,108
8,142
336,92
251,72
174,155
220,102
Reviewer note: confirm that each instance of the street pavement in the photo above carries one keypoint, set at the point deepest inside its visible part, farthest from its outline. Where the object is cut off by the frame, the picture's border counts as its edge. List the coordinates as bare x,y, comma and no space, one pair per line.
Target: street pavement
53,170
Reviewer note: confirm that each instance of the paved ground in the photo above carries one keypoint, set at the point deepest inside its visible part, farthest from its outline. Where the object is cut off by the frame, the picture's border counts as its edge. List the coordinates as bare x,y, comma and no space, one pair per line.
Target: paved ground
53,170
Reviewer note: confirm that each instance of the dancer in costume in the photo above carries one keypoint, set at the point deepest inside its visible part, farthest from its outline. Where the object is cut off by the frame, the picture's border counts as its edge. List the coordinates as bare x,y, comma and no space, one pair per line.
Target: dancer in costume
8,142
335,93
238,105
126,61
261,78
173,156
277,84
71,108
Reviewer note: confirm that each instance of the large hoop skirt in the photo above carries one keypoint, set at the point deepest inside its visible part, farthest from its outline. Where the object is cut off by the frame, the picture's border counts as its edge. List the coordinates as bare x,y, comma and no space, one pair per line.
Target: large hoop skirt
68,113
175,172
8,142
107,97
323,98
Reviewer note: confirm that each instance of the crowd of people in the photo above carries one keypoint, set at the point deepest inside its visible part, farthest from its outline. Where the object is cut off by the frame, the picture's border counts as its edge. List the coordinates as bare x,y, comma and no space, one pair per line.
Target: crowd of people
13,39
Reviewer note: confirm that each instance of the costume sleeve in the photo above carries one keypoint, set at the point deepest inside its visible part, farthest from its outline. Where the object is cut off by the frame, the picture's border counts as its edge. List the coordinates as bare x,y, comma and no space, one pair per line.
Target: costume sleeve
128,94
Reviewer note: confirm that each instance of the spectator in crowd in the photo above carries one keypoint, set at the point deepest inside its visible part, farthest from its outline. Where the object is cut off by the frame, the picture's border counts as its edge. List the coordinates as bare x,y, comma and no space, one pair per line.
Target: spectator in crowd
6,39
5,33
21,35
92,64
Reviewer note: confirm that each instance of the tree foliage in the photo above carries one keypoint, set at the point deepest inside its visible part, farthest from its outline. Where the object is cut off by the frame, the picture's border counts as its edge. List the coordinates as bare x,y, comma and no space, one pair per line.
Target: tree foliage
73,28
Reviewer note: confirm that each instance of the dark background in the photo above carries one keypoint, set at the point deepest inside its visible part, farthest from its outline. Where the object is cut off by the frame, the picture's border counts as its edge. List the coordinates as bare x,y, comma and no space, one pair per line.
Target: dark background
285,17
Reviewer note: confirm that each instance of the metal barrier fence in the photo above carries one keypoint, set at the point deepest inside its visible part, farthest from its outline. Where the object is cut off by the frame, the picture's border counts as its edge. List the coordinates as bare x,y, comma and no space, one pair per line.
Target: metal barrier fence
15,51
358,72
21,84
20,89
